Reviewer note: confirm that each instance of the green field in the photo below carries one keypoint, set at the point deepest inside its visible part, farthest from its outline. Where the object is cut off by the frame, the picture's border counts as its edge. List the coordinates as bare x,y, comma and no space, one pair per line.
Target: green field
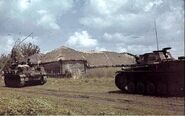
95,96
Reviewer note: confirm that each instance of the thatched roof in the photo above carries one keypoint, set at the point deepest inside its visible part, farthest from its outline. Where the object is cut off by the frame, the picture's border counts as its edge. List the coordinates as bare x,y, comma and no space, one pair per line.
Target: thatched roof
62,53
109,59
92,58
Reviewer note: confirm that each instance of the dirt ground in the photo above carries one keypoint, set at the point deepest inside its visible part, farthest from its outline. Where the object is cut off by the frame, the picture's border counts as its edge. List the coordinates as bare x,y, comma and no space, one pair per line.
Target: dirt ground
83,96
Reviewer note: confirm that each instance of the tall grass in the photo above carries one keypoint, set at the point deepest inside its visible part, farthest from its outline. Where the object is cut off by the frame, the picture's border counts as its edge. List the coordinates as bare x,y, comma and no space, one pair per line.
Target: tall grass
101,72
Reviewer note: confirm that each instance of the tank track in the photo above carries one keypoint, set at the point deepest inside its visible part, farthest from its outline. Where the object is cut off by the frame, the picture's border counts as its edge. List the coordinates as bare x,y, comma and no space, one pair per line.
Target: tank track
131,85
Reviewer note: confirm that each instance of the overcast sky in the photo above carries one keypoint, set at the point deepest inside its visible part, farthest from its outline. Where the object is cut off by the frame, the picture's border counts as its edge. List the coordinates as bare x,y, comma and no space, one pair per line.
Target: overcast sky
113,25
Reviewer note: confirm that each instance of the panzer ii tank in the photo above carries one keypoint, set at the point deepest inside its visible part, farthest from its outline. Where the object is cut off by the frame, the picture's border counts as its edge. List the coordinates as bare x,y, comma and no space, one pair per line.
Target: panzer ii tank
19,75
156,73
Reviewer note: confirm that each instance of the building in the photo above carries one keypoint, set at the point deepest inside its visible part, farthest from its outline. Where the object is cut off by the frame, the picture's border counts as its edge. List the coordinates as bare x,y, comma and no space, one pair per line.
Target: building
69,62
64,62
68,68
108,59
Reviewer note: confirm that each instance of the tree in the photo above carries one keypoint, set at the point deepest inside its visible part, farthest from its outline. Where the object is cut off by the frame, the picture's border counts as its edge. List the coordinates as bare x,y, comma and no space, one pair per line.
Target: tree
28,49
24,50
4,62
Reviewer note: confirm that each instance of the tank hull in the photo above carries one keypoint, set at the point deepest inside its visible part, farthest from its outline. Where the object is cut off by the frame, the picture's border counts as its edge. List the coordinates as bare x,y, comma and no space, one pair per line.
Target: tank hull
12,80
163,79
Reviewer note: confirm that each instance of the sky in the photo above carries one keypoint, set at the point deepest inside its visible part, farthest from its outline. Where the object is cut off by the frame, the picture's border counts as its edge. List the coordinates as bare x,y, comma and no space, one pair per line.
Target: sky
94,25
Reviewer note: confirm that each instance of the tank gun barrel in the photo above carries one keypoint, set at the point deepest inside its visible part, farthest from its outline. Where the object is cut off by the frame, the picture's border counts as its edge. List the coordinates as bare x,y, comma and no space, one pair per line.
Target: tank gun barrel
163,50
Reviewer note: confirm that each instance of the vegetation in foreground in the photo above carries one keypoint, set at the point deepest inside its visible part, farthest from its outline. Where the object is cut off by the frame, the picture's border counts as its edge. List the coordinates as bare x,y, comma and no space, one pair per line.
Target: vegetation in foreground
82,96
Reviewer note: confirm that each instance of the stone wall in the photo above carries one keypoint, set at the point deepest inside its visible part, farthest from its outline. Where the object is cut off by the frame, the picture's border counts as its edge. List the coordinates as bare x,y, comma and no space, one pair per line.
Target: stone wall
74,68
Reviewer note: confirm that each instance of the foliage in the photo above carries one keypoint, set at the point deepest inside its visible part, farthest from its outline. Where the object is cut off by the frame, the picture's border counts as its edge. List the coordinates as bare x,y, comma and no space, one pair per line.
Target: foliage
28,49
18,52
24,50
3,61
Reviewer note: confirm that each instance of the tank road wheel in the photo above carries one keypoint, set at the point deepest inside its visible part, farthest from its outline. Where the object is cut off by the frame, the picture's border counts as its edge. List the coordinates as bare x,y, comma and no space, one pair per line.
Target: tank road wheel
151,88
162,89
131,87
121,81
140,87
43,80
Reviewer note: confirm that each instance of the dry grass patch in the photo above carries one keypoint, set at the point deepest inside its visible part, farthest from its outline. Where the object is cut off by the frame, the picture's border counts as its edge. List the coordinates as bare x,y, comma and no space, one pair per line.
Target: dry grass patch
95,96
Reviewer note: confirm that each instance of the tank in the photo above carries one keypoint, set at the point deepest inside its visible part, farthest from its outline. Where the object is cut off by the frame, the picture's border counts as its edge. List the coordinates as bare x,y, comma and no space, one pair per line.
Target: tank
156,73
19,75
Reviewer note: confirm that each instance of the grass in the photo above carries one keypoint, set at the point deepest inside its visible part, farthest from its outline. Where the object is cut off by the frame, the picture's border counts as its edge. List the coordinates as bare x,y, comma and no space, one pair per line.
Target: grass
102,72
94,96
